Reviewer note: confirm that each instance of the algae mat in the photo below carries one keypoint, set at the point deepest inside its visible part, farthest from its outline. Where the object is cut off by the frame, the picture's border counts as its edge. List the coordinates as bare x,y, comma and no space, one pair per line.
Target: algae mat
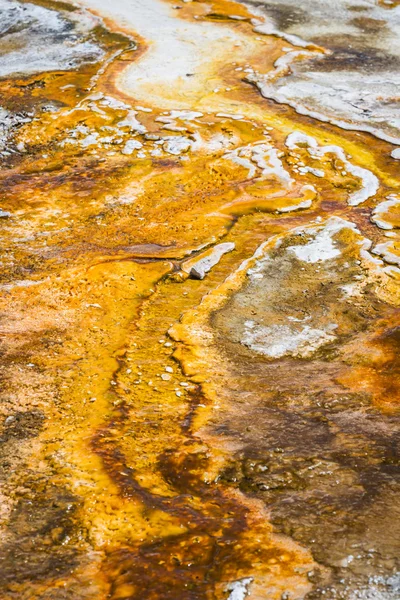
200,300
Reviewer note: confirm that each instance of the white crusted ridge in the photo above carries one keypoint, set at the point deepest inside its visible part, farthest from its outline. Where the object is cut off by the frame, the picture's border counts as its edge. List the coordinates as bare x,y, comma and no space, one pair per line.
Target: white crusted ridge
370,183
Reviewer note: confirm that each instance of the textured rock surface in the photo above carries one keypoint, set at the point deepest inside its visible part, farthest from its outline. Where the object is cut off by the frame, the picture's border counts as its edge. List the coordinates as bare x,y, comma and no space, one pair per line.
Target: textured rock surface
199,319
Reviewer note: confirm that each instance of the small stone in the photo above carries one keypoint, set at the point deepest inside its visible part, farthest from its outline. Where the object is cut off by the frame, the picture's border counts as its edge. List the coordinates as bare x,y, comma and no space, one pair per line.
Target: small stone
196,274
179,276
169,369
199,267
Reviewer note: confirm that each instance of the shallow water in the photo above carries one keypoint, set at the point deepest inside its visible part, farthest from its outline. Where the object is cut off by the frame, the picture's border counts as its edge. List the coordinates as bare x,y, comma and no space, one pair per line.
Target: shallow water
200,301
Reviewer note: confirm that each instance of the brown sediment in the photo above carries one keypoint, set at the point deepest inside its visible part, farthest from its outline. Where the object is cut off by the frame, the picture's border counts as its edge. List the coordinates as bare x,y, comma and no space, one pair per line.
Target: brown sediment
208,541
196,561
119,481
340,402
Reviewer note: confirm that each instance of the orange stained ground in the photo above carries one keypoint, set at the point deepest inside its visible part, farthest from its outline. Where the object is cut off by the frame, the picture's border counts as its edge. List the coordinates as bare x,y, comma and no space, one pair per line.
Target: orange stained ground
112,462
